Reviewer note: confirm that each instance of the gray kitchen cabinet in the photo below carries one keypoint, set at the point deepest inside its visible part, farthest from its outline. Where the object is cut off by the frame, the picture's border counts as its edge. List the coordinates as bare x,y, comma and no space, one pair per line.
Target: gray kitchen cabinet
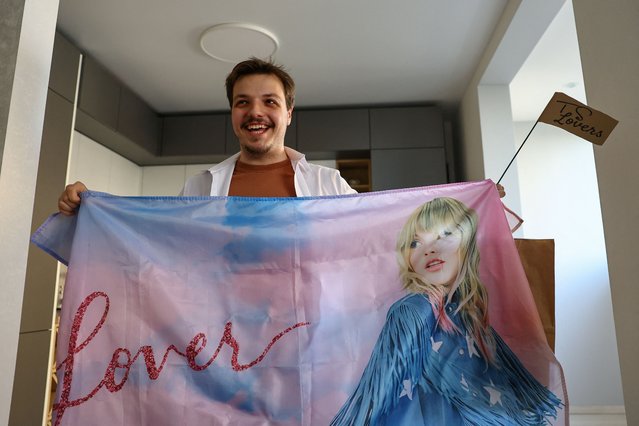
193,135
113,115
333,130
99,93
407,168
406,127
64,68
138,122
356,172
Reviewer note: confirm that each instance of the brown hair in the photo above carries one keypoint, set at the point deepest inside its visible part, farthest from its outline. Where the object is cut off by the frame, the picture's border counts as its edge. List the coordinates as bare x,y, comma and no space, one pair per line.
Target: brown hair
258,66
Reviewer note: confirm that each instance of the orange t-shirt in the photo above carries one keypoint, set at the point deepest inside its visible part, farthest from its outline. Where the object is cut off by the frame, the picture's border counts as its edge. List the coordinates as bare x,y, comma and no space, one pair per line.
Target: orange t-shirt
272,180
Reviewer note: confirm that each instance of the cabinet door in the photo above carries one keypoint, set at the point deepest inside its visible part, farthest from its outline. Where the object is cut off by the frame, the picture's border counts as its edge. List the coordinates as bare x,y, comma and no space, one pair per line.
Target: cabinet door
356,172
233,144
333,130
407,168
406,127
194,135
138,122
64,68
99,93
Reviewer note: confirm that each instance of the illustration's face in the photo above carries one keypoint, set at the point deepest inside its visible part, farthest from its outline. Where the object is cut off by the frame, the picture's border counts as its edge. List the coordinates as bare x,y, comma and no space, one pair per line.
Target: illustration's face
434,255
259,113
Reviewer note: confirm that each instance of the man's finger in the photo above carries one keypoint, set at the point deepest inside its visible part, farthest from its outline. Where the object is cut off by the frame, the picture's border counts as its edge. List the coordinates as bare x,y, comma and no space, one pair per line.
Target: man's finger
67,209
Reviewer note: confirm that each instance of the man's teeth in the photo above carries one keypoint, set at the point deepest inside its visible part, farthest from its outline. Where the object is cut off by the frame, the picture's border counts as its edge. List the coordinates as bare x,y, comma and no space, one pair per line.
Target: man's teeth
256,126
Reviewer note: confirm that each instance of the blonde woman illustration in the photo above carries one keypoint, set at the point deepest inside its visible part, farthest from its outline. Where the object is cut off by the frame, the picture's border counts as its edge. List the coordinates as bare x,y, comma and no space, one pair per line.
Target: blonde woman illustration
437,360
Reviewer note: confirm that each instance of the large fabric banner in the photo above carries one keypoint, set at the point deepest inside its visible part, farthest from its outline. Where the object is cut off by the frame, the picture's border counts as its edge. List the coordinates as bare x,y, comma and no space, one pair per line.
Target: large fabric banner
401,307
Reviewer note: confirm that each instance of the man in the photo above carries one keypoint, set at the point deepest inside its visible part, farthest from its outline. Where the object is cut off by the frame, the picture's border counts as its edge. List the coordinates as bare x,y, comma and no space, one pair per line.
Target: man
261,95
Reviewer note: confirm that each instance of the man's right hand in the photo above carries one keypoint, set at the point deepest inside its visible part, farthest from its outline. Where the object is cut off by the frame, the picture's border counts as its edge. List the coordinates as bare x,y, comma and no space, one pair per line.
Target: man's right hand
70,199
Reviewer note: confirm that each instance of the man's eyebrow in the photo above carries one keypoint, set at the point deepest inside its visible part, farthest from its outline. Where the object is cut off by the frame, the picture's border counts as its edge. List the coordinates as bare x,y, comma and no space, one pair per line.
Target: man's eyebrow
265,95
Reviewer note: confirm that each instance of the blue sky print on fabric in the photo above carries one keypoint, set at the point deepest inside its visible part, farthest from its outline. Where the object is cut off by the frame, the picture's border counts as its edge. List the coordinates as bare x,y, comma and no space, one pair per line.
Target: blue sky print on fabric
263,229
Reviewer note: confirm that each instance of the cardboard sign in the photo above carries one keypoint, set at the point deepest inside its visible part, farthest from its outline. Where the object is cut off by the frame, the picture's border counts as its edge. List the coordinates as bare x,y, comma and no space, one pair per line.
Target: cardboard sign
571,115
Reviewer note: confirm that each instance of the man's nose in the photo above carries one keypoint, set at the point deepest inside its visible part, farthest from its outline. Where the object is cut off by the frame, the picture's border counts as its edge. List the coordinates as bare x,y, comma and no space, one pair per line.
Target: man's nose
256,110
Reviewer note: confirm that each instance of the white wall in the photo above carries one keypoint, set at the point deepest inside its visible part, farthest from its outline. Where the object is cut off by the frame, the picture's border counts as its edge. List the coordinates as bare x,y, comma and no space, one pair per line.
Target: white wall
28,27
559,200
552,195
101,169
608,34
496,128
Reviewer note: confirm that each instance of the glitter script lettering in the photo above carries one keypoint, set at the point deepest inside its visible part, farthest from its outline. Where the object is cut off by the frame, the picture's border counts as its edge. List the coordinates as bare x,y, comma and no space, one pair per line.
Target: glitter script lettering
122,358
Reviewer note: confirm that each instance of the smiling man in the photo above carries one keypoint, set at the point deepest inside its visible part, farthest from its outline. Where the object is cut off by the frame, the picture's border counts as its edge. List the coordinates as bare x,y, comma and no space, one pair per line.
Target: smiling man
260,116
261,95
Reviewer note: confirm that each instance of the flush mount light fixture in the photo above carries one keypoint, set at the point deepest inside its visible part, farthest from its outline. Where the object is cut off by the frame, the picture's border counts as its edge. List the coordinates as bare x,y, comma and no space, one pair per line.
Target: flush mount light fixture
235,41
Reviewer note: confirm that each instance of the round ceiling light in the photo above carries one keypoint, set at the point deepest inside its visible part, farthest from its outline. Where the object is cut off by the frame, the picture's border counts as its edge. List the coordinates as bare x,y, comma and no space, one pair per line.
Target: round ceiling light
234,42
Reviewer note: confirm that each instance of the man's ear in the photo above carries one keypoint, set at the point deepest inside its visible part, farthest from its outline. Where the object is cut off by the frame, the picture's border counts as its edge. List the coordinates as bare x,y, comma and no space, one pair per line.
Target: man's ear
290,116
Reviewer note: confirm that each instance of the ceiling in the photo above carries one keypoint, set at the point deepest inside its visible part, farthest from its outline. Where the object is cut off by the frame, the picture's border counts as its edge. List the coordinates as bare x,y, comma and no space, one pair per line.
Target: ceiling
339,52
552,66
356,52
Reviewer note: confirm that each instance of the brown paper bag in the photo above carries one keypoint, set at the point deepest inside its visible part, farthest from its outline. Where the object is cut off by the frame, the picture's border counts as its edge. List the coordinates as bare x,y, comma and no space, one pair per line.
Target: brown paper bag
538,259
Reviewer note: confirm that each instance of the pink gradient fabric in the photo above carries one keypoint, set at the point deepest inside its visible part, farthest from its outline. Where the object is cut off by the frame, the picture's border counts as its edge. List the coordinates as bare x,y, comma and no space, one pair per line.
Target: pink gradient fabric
251,311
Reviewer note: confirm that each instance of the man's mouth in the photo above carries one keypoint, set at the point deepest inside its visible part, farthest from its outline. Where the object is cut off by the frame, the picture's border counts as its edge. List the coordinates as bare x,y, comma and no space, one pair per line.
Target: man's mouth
256,127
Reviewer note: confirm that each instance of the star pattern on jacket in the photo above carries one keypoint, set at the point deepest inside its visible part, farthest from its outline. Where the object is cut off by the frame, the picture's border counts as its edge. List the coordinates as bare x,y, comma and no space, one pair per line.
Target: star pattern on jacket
464,383
435,345
472,349
495,395
407,390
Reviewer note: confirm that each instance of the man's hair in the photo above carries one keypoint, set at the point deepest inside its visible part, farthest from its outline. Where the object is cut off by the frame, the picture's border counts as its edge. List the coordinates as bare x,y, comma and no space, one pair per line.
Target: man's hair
258,66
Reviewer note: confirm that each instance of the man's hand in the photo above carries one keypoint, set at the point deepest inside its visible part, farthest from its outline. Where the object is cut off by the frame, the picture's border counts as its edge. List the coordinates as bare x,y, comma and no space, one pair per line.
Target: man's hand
70,199
501,190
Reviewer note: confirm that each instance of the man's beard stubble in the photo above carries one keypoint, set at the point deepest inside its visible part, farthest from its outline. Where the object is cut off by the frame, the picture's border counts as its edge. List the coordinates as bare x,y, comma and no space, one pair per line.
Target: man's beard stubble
257,151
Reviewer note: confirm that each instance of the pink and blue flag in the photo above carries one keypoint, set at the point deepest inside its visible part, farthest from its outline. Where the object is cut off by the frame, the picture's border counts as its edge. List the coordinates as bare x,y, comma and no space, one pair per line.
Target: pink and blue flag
401,307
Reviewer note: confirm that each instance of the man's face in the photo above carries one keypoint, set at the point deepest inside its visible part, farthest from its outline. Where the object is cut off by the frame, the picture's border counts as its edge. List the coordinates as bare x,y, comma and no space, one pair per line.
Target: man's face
259,115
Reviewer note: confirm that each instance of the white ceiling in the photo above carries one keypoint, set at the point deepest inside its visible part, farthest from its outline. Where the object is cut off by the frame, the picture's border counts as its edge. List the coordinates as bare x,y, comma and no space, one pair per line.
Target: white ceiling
355,52
339,52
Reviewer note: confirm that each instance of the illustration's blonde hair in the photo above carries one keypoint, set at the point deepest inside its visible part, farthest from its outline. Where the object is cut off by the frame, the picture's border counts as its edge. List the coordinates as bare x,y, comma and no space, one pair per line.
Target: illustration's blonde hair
451,215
